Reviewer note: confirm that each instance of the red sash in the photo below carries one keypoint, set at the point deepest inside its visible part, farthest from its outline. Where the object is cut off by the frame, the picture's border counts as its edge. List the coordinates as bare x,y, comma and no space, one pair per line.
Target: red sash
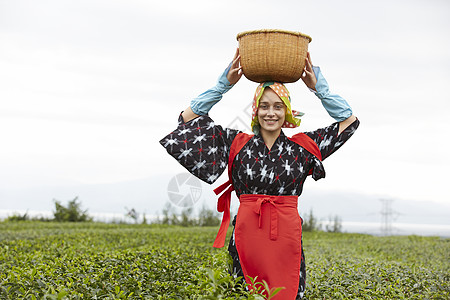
306,142
223,204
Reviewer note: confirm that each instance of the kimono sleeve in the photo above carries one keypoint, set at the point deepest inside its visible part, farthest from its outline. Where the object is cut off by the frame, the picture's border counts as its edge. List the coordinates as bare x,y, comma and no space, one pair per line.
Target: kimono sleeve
329,140
200,146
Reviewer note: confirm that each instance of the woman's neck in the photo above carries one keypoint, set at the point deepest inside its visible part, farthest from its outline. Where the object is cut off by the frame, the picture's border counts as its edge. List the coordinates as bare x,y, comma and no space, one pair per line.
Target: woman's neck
270,137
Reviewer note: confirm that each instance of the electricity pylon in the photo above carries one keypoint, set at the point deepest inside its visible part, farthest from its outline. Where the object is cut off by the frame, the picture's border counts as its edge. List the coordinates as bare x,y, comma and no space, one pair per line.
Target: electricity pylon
387,216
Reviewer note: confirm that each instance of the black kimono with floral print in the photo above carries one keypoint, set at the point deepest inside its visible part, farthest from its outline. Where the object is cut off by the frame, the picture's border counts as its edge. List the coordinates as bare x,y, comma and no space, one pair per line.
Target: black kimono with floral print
202,147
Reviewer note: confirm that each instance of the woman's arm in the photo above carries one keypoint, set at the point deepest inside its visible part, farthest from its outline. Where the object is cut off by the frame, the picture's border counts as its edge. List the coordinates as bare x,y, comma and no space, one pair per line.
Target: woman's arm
347,122
203,103
188,115
335,105
201,146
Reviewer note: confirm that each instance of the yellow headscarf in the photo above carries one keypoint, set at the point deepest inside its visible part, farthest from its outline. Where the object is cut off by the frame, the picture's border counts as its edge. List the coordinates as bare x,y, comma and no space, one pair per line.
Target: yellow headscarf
292,119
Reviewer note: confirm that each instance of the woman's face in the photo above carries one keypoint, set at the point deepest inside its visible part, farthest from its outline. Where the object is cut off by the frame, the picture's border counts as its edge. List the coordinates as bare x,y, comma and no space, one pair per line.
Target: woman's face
271,111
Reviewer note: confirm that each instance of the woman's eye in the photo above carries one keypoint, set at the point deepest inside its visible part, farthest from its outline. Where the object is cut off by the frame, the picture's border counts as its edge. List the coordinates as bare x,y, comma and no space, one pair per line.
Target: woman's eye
263,106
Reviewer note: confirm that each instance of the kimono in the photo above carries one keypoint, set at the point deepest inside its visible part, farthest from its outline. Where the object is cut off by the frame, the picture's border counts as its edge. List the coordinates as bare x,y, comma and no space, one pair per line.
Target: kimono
203,148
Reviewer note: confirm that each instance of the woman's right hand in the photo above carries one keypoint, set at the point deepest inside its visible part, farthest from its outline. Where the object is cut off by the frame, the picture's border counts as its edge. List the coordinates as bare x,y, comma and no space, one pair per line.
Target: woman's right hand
203,103
235,72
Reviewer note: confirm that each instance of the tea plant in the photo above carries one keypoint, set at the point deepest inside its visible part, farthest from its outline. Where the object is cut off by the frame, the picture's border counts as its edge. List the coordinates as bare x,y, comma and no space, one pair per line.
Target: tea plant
124,261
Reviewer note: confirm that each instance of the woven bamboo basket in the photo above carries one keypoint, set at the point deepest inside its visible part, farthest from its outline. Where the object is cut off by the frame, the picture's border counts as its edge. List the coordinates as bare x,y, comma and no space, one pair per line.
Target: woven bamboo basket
273,55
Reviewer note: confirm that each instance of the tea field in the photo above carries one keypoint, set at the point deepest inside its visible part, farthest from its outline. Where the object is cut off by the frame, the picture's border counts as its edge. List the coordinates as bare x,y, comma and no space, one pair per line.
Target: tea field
48,260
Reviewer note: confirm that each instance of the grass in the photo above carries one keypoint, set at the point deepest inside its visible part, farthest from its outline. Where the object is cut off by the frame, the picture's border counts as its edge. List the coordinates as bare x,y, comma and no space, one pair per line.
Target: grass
108,261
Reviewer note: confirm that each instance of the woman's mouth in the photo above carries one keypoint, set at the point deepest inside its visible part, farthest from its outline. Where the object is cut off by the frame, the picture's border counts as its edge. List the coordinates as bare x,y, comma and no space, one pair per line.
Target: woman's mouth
270,121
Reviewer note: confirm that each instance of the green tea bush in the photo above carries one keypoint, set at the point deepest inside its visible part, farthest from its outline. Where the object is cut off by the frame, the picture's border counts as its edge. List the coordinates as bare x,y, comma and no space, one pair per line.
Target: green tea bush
134,261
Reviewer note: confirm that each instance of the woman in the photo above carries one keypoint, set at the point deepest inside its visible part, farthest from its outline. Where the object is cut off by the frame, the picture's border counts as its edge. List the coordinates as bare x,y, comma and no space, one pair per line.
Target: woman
266,170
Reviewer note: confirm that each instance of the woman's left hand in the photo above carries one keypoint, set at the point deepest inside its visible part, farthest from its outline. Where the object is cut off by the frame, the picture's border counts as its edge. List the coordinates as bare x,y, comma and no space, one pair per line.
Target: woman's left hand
308,76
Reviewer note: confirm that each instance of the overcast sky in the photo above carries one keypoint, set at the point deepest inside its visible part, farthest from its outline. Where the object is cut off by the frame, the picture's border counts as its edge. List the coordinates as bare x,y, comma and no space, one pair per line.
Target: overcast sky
87,88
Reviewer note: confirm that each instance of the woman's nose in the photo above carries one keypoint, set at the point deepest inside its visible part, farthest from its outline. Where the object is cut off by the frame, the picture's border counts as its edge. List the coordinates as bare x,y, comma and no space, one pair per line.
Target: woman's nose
271,111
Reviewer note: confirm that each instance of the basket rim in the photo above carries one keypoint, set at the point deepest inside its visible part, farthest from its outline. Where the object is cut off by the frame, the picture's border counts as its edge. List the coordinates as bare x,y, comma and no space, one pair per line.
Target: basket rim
296,33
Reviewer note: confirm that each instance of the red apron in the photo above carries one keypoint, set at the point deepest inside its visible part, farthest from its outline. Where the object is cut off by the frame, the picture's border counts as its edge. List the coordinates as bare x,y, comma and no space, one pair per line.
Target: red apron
268,240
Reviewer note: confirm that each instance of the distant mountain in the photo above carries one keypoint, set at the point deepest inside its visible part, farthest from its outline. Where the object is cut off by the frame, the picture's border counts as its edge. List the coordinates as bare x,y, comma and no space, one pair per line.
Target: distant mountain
369,208
150,195
143,195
